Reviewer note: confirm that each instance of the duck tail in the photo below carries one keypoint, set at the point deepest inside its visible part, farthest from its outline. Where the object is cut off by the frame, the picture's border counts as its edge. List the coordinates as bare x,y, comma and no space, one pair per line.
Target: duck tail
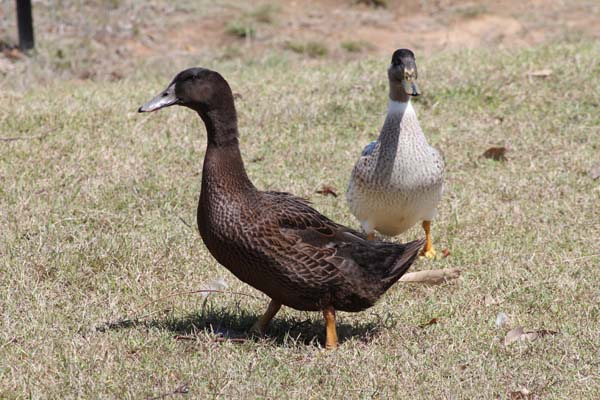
407,255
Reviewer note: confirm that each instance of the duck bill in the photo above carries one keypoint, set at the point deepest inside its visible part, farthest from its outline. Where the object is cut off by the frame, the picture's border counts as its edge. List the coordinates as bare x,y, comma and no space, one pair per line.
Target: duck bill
164,99
410,87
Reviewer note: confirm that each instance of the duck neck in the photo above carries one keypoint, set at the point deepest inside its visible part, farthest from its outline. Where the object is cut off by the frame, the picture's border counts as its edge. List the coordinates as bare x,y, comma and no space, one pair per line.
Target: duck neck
221,126
223,165
399,116
399,126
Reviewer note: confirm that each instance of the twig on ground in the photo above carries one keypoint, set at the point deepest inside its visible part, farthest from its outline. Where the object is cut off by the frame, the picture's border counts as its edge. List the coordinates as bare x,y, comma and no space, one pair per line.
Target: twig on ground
581,258
11,340
217,339
432,276
184,222
13,139
181,389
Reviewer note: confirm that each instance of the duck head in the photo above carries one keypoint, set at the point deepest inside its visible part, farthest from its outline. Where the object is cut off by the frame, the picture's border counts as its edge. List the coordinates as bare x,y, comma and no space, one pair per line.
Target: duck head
197,88
207,93
402,74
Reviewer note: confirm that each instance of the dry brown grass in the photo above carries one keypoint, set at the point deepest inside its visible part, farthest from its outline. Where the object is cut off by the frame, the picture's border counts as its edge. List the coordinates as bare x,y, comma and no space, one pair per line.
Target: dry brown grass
97,211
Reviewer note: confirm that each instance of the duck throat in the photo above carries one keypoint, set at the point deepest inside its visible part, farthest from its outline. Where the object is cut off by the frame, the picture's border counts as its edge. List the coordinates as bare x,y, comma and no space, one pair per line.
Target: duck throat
397,93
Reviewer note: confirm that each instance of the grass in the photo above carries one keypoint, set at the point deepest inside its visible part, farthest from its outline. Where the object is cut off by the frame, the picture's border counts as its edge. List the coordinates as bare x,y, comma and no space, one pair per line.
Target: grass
373,3
240,28
310,48
355,46
264,13
97,211
245,25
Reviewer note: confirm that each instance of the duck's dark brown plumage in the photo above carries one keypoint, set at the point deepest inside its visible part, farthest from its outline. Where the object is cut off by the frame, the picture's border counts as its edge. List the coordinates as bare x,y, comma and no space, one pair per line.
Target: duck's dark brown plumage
274,241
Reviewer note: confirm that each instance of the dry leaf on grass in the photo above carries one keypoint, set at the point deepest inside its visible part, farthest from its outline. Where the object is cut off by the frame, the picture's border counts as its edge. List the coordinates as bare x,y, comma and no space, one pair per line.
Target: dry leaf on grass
523,394
432,321
492,301
541,73
327,190
186,337
519,334
445,253
14,54
594,172
432,276
496,153
116,76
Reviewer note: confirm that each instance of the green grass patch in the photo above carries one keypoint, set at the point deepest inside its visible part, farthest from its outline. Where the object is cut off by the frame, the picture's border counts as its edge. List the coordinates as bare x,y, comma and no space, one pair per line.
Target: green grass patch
355,46
310,48
240,28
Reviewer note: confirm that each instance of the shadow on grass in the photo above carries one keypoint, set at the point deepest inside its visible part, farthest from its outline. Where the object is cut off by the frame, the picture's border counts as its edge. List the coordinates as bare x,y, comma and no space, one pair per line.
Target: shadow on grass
222,325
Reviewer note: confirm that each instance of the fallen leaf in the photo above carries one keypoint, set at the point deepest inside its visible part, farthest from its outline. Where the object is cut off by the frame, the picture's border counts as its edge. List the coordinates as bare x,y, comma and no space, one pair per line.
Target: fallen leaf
14,54
445,253
432,321
491,301
523,394
496,153
86,74
519,334
181,389
595,172
185,337
541,73
514,335
327,190
116,76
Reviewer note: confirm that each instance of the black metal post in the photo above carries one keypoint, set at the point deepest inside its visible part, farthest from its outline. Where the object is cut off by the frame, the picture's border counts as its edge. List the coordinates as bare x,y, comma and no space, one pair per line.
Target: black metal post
25,23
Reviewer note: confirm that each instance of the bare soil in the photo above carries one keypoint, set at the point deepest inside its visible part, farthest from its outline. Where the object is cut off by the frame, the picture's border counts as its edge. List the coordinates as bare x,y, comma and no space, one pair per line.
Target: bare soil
423,26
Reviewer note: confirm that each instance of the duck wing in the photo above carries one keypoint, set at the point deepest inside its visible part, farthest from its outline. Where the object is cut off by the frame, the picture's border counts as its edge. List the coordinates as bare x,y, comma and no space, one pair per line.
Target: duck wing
328,257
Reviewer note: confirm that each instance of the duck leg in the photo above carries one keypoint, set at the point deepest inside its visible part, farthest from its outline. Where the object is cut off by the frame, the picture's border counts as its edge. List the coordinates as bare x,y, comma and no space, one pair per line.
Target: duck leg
331,340
260,326
428,251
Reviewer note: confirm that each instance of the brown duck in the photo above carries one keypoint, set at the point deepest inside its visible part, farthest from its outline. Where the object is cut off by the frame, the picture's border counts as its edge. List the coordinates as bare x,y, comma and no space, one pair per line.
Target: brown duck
274,241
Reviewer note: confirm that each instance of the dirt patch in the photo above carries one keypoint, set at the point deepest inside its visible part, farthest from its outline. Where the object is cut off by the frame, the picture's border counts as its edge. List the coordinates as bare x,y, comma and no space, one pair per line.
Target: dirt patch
336,24
121,36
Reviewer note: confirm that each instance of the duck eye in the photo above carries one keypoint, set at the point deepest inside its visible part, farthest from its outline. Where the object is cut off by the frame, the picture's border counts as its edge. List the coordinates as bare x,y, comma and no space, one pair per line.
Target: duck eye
165,94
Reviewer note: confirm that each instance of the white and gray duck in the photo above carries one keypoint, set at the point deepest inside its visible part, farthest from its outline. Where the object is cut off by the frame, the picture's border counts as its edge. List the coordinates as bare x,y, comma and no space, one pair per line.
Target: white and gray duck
399,178
274,241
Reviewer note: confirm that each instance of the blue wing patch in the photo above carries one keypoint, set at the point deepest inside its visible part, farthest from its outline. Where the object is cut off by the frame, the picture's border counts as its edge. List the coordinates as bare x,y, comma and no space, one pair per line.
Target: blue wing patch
368,149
